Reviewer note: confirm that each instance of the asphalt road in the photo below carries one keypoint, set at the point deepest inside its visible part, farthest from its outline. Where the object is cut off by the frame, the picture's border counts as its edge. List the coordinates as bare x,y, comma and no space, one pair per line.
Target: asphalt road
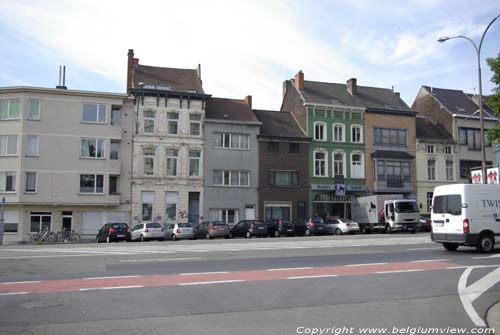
338,284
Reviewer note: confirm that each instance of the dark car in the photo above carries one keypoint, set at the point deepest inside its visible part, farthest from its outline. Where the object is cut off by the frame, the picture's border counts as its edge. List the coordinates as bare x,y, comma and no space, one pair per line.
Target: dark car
299,227
424,223
279,228
248,229
212,229
316,226
113,232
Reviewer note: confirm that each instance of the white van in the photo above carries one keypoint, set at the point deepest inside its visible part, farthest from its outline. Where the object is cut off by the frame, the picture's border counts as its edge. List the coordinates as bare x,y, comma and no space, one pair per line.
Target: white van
466,214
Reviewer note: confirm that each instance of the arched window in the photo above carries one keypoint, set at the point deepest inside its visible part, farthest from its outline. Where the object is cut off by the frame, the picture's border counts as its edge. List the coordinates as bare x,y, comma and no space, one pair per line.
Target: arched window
338,132
356,133
319,131
339,168
357,164
320,163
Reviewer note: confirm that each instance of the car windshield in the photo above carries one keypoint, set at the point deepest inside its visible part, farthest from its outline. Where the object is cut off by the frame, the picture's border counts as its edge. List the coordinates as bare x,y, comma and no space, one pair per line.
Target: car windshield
119,225
153,225
317,219
184,225
406,207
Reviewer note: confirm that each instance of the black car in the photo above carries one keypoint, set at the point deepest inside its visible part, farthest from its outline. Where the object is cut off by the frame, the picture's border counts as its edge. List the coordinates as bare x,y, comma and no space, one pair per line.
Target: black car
316,226
113,232
248,229
279,228
299,227
424,223
211,229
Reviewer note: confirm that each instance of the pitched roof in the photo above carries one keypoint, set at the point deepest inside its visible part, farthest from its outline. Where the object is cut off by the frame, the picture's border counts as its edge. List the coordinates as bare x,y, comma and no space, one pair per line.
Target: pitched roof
178,80
366,97
426,129
457,102
278,124
229,109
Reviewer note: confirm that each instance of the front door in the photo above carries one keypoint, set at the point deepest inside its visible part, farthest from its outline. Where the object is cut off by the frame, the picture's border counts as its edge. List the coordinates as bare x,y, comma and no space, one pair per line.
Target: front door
194,207
250,212
67,223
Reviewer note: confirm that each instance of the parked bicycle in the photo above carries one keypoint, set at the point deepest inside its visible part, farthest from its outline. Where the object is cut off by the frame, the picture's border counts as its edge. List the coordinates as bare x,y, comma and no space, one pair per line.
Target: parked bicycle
45,236
69,236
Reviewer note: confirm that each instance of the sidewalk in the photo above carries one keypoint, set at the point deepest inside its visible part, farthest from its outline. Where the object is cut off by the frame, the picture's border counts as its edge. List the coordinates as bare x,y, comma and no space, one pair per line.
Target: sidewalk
493,317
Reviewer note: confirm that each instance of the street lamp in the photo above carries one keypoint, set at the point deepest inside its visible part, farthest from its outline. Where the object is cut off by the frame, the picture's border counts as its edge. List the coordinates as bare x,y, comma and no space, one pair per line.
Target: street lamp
481,118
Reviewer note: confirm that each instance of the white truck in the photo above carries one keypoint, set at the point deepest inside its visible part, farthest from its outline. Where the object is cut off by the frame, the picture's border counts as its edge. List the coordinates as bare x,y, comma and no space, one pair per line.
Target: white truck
466,214
386,213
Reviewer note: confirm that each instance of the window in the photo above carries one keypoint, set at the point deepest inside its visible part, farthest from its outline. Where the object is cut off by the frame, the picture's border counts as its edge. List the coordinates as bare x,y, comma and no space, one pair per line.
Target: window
320,164
40,221
9,109
386,136
194,163
8,145
195,124
273,148
393,170
407,171
431,169
115,117
30,182
448,149
34,109
172,123
467,165
148,168
357,165
283,178
233,141
94,113
449,170
229,216
231,178
91,183
470,137
113,184
430,149
277,211
339,163
171,162
11,221
149,122
320,131
447,204
147,200
7,181
32,145
429,201
294,148
92,148
171,206
356,134
114,148
338,132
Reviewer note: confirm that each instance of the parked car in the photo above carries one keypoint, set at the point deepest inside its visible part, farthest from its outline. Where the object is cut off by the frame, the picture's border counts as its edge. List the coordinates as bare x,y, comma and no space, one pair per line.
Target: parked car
277,228
315,226
341,226
177,231
113,232
299,227
147,231
212,229
425,223
248,229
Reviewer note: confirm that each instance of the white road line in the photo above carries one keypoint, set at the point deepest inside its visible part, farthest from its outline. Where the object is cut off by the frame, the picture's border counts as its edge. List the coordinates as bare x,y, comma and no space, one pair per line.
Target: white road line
431,260
159,259
110,288
21,282
311,277
487,257
211,282
415,249
366,264
110,277
202,273
400,271
13,293
290,269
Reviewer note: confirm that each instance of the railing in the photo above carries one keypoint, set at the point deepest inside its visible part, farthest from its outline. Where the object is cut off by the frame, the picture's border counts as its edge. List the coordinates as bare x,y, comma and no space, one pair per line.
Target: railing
394,181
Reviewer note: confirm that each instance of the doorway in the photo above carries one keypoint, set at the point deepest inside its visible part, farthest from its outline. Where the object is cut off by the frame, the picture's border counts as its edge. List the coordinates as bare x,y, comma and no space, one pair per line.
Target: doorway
67,221
194,207
250,212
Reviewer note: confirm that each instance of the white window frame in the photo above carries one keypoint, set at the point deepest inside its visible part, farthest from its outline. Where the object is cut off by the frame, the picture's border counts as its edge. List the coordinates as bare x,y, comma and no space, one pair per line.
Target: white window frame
3,178
326,162
435,169
452,170
341,152
362,155
153,157
29,109
97,141
229,137
176,121
431,149
230,174
323,125
360,129
189,164
37,152
95,183
26,182
236,215
199,122
148,118
168,203
167,157
342,127
97,113
7,137
450,147
9,117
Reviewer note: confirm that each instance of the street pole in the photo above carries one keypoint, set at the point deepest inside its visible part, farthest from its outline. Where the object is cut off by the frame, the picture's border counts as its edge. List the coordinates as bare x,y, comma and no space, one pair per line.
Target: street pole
2,220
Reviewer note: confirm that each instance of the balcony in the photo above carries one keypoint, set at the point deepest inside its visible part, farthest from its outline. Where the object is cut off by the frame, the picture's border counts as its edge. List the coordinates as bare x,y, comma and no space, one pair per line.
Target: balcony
395,181
393,185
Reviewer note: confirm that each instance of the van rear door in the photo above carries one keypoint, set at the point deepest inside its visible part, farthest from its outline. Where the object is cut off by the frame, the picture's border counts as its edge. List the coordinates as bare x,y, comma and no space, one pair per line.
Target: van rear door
447,218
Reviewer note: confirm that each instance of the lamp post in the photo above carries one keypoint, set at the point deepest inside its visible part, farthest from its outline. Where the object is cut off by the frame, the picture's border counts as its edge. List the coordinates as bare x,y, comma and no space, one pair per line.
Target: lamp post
481,118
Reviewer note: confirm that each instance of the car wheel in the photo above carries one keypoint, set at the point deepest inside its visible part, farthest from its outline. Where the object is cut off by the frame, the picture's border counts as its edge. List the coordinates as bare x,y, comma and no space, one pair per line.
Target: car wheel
97,240
248,234
338,231
450,246
308,232
174,237
276,233
388,229
142,238
108,239
208,237
486,243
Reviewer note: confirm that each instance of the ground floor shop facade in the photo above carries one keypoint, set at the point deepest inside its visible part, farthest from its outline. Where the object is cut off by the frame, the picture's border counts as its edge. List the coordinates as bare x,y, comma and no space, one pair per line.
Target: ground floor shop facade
334,199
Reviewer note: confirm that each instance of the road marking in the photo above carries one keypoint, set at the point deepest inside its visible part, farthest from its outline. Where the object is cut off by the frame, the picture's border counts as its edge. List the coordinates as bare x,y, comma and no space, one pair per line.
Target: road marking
291,269
13,293
400,271
158,259
366,264
211,282
431,260
21,282
111,288
311,277
415,249
483,257
202,273
457,267
111,277
468,294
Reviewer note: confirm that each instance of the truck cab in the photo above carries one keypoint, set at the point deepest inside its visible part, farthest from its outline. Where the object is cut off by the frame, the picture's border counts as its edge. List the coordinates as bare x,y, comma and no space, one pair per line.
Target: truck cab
401,215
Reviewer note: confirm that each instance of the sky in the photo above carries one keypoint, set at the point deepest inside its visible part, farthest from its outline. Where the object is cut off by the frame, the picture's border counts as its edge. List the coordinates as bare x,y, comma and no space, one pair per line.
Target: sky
250,47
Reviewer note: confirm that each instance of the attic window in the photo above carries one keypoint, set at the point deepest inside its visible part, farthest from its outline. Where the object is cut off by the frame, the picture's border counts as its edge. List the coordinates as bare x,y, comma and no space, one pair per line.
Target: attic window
192,91
460,109
388,107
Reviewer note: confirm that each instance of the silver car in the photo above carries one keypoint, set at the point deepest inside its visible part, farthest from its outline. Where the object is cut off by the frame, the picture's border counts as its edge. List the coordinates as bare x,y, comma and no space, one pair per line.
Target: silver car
177,231
147,231
341,226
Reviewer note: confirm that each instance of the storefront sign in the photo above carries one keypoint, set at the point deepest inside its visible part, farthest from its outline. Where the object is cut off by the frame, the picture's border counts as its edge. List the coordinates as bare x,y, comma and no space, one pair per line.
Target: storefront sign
323,187
334,187
355,188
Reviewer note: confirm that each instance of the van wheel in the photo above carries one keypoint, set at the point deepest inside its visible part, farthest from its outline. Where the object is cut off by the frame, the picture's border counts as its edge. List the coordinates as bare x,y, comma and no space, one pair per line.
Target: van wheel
174,238
485,244
450,246
142,238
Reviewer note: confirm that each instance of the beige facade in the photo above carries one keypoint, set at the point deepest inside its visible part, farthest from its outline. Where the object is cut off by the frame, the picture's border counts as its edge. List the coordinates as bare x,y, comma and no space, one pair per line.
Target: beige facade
52,141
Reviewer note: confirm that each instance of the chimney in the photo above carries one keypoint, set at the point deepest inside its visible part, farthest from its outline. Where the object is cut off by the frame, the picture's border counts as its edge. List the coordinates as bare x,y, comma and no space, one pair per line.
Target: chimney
248,100
62,78
352,87
198,71
130,63
397,94
299,80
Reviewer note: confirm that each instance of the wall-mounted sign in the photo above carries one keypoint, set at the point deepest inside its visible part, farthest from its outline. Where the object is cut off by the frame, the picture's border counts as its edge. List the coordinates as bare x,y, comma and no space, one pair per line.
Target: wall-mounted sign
492,175
476,176
323,187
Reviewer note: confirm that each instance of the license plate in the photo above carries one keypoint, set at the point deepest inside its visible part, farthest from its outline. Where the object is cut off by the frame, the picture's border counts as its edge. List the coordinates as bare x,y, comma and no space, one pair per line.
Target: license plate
289,230
260,228
320,228
120,235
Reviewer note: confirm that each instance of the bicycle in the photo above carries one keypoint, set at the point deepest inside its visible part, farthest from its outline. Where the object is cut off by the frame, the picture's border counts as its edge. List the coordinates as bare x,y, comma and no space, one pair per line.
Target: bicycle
69,236
45,236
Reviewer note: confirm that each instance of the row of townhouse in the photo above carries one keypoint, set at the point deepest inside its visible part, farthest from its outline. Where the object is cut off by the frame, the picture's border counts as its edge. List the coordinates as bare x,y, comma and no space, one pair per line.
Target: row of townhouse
168,152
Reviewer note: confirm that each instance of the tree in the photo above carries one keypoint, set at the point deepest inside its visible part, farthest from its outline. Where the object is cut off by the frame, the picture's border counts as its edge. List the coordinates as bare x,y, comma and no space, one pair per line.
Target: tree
493,100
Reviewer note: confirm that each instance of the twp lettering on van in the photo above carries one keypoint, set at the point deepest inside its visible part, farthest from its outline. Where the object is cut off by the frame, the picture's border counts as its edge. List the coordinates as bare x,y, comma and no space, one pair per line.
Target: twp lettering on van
491,203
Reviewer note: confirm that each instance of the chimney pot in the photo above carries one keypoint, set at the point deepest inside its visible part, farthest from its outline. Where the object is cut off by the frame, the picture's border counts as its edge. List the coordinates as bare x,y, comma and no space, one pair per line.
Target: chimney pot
130,62
248,100
299,80
352,86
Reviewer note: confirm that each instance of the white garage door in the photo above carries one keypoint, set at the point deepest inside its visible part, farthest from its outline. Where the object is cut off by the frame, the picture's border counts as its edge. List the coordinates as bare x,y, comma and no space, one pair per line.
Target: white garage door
117,217
92,222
